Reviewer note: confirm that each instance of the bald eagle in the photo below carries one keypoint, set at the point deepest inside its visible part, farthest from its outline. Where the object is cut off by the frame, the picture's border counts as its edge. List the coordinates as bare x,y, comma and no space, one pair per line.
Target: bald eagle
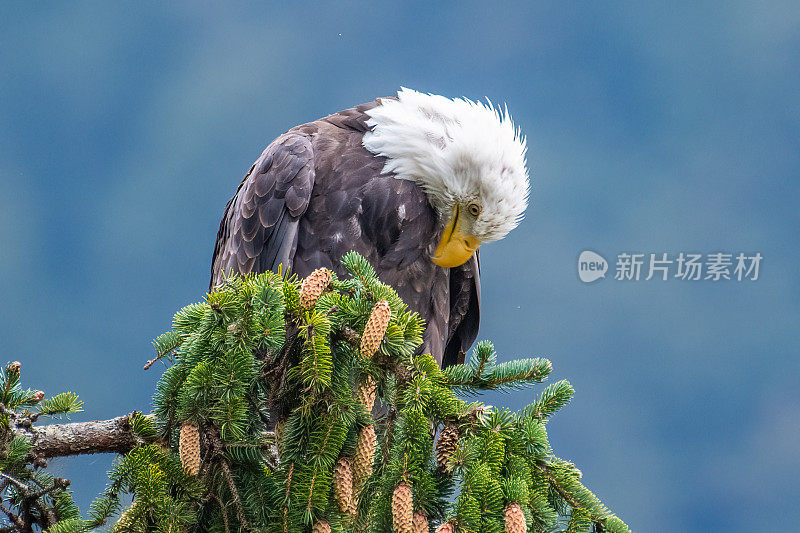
414,183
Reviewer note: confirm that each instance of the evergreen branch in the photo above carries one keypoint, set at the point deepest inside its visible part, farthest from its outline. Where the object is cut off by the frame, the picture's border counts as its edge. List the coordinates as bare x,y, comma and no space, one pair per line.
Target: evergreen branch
65,403
27,497
14,481
151,362
223,511
553,397
250,357
483,374
289,477
13,518
517,374
165,344
235,494
58,484
579,497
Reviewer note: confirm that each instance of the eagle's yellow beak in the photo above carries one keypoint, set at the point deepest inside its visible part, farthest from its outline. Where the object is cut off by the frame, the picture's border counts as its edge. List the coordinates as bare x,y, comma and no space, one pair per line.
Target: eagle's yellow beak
455,248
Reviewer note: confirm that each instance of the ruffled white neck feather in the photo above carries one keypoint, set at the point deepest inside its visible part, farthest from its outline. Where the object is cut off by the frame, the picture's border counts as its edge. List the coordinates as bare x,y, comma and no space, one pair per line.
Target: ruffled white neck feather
458,151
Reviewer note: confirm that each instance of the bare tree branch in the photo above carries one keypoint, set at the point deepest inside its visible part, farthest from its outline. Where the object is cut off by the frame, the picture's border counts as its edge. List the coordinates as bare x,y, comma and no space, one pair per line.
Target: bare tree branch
76,438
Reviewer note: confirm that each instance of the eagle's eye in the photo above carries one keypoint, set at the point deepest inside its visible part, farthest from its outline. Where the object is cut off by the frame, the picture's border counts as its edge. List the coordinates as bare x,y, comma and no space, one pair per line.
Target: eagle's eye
474,209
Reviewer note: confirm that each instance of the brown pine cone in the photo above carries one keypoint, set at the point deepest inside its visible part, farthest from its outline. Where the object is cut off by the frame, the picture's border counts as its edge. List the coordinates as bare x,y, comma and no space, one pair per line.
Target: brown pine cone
375,329
420,523
515,519
446,446
343,485
447,527
364,457
366,393
189,448
313,287
321,527
403,509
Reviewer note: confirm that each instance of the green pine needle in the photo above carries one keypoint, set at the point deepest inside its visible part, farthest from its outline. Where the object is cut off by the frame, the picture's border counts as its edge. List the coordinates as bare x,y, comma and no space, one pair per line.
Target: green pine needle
63,404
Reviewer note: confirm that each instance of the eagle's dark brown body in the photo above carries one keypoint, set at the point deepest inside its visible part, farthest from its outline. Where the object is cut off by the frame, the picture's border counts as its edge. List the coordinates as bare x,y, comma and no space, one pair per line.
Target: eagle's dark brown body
316,193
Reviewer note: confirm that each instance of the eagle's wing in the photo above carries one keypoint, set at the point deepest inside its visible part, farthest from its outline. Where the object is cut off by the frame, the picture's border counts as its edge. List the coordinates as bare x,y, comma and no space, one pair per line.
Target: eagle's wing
259,229
465,310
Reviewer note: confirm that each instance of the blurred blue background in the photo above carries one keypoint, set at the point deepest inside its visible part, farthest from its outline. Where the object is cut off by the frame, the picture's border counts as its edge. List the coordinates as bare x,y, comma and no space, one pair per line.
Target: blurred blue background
125,128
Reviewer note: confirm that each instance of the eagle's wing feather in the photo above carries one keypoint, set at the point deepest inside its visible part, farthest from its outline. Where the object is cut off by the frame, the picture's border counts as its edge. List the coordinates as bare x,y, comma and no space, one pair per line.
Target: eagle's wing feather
259,229
358,208
465,310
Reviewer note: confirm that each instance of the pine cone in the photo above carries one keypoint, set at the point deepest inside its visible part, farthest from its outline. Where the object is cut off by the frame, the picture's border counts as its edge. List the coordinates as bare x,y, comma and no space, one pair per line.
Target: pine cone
403,509
420,523
313,287
189,448
343,485
446,446
515,519
447,527
366,393
364,457
375,329
321,527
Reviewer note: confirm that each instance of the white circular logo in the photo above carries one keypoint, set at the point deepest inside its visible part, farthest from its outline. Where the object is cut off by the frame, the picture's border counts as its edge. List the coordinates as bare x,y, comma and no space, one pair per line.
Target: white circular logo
591,266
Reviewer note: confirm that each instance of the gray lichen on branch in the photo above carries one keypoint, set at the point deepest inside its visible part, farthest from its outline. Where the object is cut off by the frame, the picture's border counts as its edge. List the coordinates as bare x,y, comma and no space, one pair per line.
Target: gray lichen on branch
75,438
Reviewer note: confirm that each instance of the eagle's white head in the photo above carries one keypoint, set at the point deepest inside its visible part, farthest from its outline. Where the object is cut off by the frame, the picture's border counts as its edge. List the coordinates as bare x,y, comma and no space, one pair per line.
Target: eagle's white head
467,156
